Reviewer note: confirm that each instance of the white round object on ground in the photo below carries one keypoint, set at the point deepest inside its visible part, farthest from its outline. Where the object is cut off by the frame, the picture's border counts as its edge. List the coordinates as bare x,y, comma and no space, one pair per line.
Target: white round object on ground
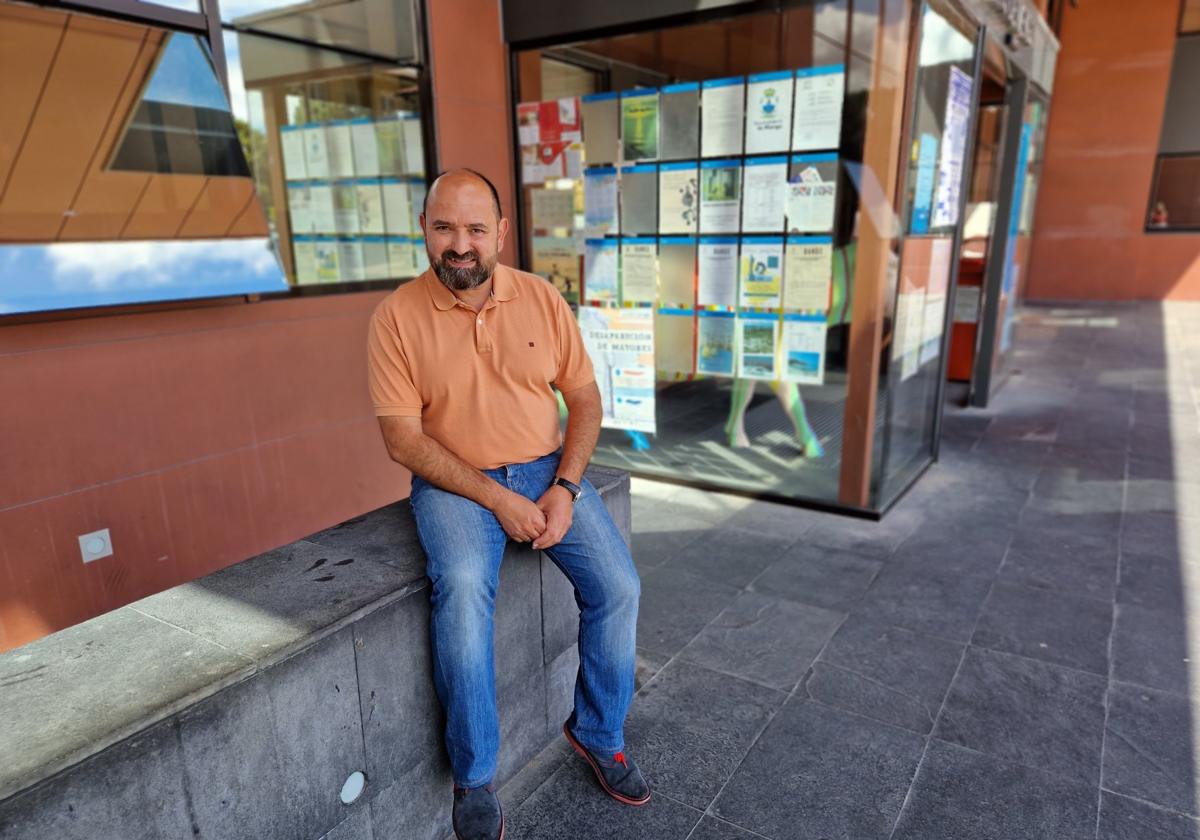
353,787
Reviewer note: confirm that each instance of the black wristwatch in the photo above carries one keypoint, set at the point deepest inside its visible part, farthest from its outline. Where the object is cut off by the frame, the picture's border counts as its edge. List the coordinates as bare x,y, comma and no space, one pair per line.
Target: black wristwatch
574,489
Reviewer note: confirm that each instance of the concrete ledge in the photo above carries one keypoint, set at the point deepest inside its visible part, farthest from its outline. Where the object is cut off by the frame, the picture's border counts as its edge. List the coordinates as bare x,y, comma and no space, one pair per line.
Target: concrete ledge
237,704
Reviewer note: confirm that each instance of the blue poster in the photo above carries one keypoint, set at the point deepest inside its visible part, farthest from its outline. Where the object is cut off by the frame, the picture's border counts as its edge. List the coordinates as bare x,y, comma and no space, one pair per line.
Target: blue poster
923,192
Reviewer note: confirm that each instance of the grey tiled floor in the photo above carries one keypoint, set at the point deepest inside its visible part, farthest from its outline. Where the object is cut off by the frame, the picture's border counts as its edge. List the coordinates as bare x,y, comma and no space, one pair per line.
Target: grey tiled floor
1006,656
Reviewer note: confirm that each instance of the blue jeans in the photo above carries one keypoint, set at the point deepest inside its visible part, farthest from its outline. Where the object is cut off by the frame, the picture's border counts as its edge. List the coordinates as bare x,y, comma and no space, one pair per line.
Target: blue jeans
464,545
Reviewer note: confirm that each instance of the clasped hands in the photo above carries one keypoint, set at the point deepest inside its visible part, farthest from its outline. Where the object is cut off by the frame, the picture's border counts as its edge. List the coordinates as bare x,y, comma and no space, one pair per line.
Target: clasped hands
544,522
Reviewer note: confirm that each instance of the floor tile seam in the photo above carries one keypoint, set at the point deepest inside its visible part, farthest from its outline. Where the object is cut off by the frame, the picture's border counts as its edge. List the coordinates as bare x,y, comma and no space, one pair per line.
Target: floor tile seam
1193,818
1112,628
1060,592
724,821
194,635
563,759
1082,672
941,709
740,677
1178,695
889,689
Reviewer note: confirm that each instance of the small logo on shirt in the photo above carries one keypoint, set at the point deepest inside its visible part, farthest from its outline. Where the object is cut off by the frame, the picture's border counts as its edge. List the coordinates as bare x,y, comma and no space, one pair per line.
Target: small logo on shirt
531,344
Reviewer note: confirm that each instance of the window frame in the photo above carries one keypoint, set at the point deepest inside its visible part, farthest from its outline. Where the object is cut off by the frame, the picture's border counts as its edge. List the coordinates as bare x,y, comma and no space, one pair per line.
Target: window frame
1160,156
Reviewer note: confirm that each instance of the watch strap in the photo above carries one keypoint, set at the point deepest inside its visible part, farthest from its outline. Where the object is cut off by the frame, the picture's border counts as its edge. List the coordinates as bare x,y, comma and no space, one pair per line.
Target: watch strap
574,489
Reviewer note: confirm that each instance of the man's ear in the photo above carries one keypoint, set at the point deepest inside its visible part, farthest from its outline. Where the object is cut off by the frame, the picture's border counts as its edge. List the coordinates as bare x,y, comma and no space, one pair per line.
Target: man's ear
501,235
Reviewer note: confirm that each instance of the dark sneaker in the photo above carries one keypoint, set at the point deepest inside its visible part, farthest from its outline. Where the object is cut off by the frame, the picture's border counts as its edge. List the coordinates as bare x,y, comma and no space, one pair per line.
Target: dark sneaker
477,814
618,775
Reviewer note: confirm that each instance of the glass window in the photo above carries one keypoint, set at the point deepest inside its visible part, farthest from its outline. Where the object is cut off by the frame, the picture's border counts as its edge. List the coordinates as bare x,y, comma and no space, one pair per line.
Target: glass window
1172,207
121,185
698,209
1176,194
384,28
1189,20
337,148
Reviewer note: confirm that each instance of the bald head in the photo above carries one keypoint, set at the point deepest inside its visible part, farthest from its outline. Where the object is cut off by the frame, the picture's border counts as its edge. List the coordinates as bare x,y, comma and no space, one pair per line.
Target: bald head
464,177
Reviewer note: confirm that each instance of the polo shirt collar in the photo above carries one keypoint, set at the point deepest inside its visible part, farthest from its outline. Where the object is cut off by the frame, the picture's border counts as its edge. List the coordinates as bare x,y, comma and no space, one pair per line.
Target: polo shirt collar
504,287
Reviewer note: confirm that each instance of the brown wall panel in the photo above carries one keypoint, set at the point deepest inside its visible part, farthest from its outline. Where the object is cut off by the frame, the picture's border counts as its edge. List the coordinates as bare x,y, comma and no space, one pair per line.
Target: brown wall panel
220,204
164,206
1105,120
88,75
28,40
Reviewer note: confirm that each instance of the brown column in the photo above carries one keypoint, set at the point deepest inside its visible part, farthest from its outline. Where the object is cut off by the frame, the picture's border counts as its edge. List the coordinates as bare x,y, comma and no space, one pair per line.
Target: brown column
877,228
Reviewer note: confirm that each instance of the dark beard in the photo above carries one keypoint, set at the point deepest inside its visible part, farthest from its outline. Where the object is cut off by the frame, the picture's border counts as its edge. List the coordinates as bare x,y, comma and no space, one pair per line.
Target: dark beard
462,279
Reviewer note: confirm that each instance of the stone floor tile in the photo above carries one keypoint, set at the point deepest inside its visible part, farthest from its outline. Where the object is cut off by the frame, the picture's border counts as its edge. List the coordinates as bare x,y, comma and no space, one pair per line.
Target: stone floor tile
710,828
926,599
1043,515
649,664
1155,582
1148,749
1151,647
861,536
1079,563
776,520
763,639
730,556
961,794
976,548
652,548
820,772
1064,629
689,728
571,805
886,673
1027,712
675,606
824,577
1122,818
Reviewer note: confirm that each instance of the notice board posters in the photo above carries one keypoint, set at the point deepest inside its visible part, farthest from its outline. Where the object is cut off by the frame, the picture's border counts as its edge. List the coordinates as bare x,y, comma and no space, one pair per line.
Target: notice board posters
620,342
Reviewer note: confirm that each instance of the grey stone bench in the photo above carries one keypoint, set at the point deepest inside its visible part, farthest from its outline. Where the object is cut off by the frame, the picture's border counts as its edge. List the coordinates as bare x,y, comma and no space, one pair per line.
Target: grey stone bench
237,705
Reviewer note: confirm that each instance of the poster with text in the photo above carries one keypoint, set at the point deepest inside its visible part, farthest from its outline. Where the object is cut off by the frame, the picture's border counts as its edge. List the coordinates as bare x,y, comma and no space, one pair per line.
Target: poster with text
600,266
923,189
812,193
721,109
639,269
808,273
340,149
954,145
817,122
679,121
639,198
554,258
397,211
717,272
370,206
366,149
639,125
316,158
600,200
804,349
758,345
291,141
761,275
674,338
620,343
720,199
601,126
552,209
768,112
764,194
715,343
676,271
678,199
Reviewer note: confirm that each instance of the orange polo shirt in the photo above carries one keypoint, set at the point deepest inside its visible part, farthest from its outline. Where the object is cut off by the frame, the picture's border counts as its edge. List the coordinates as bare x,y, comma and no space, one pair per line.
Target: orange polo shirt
480,382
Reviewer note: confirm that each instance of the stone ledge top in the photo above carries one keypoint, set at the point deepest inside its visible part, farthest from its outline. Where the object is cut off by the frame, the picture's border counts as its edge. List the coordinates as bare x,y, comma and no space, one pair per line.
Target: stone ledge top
76,692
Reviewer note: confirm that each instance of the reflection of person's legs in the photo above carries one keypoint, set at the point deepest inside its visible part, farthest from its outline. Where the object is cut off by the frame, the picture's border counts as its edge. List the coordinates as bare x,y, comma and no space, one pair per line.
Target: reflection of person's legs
740,394
793,404
464,545
594,557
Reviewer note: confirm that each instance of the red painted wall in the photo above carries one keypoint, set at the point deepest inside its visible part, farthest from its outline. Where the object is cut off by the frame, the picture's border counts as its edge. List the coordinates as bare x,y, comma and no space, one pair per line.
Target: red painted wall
1105,119
204,436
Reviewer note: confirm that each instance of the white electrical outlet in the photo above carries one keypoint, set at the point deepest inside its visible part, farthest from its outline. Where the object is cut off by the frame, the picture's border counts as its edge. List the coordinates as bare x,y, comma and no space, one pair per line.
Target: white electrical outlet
95,545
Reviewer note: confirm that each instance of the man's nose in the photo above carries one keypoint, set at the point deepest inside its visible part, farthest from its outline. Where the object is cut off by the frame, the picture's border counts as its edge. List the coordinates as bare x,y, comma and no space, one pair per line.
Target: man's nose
460,242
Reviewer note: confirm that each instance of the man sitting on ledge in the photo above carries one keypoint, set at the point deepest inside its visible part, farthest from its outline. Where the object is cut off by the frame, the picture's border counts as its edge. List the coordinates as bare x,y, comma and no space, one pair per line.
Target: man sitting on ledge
461,362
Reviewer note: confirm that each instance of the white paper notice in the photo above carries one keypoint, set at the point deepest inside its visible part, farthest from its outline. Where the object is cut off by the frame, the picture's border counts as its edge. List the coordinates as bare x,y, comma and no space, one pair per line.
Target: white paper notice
717,272
811,195
340,149
758,339
620,343
553,209
370,206
316,159
600,200
817,122
600,270
804,349
721,103
321,206
414,145
966,304
720,189
366,150
678,199
768,112
954,144
764,194
300,208
291,139
397,217
639,269
761,275
807,273
304,249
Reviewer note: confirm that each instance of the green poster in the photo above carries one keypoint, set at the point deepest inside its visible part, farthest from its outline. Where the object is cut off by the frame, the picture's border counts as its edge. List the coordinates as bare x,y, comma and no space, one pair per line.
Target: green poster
639,126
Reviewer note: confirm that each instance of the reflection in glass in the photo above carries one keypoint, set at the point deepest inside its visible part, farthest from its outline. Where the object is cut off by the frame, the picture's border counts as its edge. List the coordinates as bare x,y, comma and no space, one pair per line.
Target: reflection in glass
379,27
182,123
336,146
172,217
1176,201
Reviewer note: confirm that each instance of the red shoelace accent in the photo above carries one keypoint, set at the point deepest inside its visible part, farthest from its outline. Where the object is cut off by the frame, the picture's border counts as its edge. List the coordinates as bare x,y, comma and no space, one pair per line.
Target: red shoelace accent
620,758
